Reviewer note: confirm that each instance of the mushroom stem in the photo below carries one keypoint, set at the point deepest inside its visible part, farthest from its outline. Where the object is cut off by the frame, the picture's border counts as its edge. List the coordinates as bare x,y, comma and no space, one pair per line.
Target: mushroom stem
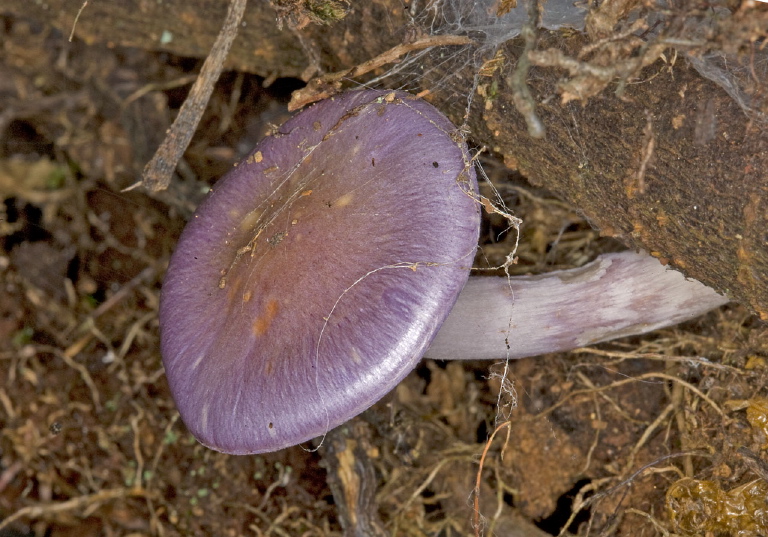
616,295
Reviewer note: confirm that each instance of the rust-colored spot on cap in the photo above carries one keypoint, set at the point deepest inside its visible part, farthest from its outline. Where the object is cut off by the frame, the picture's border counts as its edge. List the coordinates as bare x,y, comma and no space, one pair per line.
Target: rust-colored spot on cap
264,321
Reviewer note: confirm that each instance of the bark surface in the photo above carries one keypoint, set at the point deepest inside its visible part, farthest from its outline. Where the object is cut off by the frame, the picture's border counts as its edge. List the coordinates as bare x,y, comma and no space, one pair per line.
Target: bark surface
669,163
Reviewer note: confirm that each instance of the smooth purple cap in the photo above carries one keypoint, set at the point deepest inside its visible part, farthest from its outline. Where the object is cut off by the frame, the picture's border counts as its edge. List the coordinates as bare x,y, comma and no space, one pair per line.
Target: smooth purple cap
315,274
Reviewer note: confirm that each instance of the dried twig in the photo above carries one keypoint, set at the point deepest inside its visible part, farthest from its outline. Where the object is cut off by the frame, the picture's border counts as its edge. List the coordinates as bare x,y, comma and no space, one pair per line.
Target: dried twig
521,93
328,85
638,378
476,519
77,17
37,511
697,361
158,171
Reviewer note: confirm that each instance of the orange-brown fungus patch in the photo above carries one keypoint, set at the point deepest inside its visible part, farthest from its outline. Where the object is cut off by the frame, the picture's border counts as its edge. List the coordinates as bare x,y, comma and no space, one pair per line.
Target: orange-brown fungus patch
234,289
344,200
264,321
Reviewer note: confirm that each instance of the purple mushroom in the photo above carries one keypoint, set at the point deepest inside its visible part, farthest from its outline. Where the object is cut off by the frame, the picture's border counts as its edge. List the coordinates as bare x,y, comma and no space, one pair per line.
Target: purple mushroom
314,276
317,273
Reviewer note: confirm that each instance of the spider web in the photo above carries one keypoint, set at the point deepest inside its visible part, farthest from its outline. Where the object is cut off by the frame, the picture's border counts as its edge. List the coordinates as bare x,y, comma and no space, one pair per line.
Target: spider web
492,23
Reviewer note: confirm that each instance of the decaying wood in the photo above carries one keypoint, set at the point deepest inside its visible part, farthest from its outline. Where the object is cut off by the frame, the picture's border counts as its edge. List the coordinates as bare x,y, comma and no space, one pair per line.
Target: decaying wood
635,166
650,151
352,478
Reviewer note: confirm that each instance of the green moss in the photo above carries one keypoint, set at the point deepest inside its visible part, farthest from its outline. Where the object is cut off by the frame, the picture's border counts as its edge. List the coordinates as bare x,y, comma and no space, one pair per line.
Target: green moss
22,337
56,178
326,11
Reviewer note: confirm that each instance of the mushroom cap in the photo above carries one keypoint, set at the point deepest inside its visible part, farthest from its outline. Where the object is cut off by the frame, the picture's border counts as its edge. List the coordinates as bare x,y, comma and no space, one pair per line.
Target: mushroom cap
315,274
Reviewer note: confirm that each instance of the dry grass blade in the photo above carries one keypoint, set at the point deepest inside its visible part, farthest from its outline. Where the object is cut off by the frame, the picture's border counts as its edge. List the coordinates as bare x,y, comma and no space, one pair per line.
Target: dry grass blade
38,511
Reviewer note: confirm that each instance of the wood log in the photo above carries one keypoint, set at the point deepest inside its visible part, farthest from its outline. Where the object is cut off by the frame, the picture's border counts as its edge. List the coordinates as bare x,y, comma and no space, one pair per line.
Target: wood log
659,157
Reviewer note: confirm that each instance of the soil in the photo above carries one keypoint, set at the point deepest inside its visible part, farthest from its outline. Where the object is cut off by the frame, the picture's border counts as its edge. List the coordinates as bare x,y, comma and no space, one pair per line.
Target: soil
643,436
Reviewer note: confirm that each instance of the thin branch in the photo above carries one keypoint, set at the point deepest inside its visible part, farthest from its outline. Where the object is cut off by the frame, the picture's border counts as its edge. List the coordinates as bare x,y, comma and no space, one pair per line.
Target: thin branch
521,93
330,84
77,18
47,509
158,171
